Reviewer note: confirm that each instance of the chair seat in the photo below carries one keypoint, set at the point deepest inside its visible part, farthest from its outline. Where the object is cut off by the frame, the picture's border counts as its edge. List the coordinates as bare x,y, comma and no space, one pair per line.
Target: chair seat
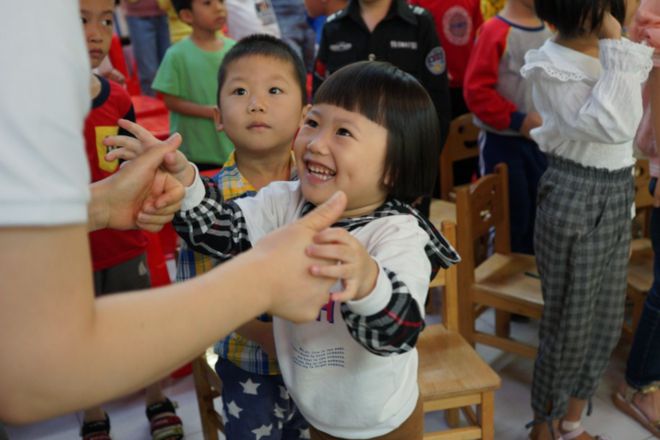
640,267
513,278
449,366
442,210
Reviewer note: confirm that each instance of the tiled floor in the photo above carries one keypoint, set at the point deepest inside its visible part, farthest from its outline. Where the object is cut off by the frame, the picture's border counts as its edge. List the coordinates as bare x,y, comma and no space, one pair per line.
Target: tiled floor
511,403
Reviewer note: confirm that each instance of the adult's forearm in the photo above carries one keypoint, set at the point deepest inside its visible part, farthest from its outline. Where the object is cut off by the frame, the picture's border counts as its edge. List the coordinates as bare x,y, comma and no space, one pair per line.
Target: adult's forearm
97,209
98,350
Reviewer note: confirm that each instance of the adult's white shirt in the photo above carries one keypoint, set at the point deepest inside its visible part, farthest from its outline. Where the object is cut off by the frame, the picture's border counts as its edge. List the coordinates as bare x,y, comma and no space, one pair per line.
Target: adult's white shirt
44,97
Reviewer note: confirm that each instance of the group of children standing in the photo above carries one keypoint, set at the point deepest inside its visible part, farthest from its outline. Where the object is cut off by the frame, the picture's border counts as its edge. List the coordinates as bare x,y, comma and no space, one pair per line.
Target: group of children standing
564,126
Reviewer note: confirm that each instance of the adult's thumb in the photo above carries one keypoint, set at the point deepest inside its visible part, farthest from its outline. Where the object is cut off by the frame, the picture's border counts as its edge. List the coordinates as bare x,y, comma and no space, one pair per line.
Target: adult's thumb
326,214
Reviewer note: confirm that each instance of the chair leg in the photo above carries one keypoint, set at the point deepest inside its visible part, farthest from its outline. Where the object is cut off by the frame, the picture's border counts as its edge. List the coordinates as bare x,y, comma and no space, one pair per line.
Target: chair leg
502,323
204,400
452,417
487,415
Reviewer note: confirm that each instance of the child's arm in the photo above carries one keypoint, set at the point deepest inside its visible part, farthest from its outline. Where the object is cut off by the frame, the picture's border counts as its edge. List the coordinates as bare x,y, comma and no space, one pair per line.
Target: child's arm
646,28
207,223
173,84
384,288
481,78
140,141
189,108
654,85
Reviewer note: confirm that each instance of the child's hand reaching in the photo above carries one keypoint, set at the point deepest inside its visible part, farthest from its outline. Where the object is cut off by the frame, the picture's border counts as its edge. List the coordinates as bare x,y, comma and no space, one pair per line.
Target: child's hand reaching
128,148
355,267
531,121
610,28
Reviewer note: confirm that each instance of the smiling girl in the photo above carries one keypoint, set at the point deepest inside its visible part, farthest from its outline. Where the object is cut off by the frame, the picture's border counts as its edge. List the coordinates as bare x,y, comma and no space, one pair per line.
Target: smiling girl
370,133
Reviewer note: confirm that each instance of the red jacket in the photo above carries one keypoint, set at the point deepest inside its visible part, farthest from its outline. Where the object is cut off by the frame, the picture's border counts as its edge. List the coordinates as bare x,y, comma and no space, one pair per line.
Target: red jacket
456,22
109,247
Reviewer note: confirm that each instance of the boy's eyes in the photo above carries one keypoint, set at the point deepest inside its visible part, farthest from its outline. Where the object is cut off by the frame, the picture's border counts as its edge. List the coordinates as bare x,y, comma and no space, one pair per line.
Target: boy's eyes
311,123
275,90
107,22
240,91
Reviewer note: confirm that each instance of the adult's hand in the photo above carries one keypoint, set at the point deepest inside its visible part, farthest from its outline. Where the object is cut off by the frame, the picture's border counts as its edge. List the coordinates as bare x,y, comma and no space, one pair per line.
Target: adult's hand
139,186
298,294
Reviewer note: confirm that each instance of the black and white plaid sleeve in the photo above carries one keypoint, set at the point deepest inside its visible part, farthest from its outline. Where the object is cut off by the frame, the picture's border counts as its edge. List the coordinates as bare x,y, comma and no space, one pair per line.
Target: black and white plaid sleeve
393,330
214,227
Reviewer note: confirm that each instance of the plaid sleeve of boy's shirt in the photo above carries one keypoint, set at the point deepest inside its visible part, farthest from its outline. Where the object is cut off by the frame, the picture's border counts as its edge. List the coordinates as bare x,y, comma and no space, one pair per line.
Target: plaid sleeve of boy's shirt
231,184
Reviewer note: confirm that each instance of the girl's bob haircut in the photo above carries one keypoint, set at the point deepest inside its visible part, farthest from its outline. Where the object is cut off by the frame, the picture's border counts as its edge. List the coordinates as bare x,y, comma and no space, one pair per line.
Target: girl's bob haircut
575,18
395,100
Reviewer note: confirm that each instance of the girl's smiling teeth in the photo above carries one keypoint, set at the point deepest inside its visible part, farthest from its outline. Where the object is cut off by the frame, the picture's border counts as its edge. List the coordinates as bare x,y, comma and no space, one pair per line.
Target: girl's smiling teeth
320,171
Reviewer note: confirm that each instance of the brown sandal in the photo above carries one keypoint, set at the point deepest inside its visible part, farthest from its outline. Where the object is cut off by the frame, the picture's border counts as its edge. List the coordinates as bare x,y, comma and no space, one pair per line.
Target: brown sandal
625,402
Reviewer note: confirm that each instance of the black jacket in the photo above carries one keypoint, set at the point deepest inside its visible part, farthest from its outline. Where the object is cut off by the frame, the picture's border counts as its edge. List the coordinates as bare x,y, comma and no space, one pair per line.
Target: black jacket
406,37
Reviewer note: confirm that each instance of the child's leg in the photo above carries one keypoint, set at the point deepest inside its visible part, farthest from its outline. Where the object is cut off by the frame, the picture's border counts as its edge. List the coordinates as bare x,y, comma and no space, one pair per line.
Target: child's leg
609,246
643,369
582,241
153,394
255,405
524,172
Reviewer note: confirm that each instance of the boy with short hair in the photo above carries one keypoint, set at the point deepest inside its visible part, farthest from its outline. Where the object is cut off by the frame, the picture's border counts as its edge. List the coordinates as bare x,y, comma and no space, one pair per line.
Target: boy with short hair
119,257
186,78
497,95
261,97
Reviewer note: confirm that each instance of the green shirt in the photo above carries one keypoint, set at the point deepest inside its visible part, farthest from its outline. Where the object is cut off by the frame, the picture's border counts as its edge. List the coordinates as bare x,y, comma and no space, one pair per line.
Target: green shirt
191,73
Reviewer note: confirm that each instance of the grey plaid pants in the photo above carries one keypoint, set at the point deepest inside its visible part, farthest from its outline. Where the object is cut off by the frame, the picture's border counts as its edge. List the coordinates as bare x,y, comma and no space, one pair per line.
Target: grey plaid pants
582,240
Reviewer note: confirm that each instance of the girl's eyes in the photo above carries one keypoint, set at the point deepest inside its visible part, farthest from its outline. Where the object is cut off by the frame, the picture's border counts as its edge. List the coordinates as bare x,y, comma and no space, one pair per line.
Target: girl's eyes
240,91
344,132
275,91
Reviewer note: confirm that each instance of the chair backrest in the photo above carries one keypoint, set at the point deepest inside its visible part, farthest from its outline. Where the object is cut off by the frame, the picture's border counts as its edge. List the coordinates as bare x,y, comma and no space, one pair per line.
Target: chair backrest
462,143
450,303
482,208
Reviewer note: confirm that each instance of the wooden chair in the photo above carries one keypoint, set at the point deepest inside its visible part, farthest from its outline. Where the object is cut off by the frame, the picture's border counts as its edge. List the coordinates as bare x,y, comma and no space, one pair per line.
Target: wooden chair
207,387
505,281
451,375
461,144
640,267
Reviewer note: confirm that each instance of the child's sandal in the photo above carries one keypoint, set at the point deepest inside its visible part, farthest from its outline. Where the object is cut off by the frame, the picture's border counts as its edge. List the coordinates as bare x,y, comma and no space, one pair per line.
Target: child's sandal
624,401
96,429
572,430
163,421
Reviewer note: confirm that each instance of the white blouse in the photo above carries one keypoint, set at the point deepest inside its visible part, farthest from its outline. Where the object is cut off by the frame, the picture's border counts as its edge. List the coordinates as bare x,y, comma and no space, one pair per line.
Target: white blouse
591,108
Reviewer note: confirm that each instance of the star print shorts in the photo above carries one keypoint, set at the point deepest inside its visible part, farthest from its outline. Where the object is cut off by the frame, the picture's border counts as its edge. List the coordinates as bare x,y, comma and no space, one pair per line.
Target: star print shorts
258,407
